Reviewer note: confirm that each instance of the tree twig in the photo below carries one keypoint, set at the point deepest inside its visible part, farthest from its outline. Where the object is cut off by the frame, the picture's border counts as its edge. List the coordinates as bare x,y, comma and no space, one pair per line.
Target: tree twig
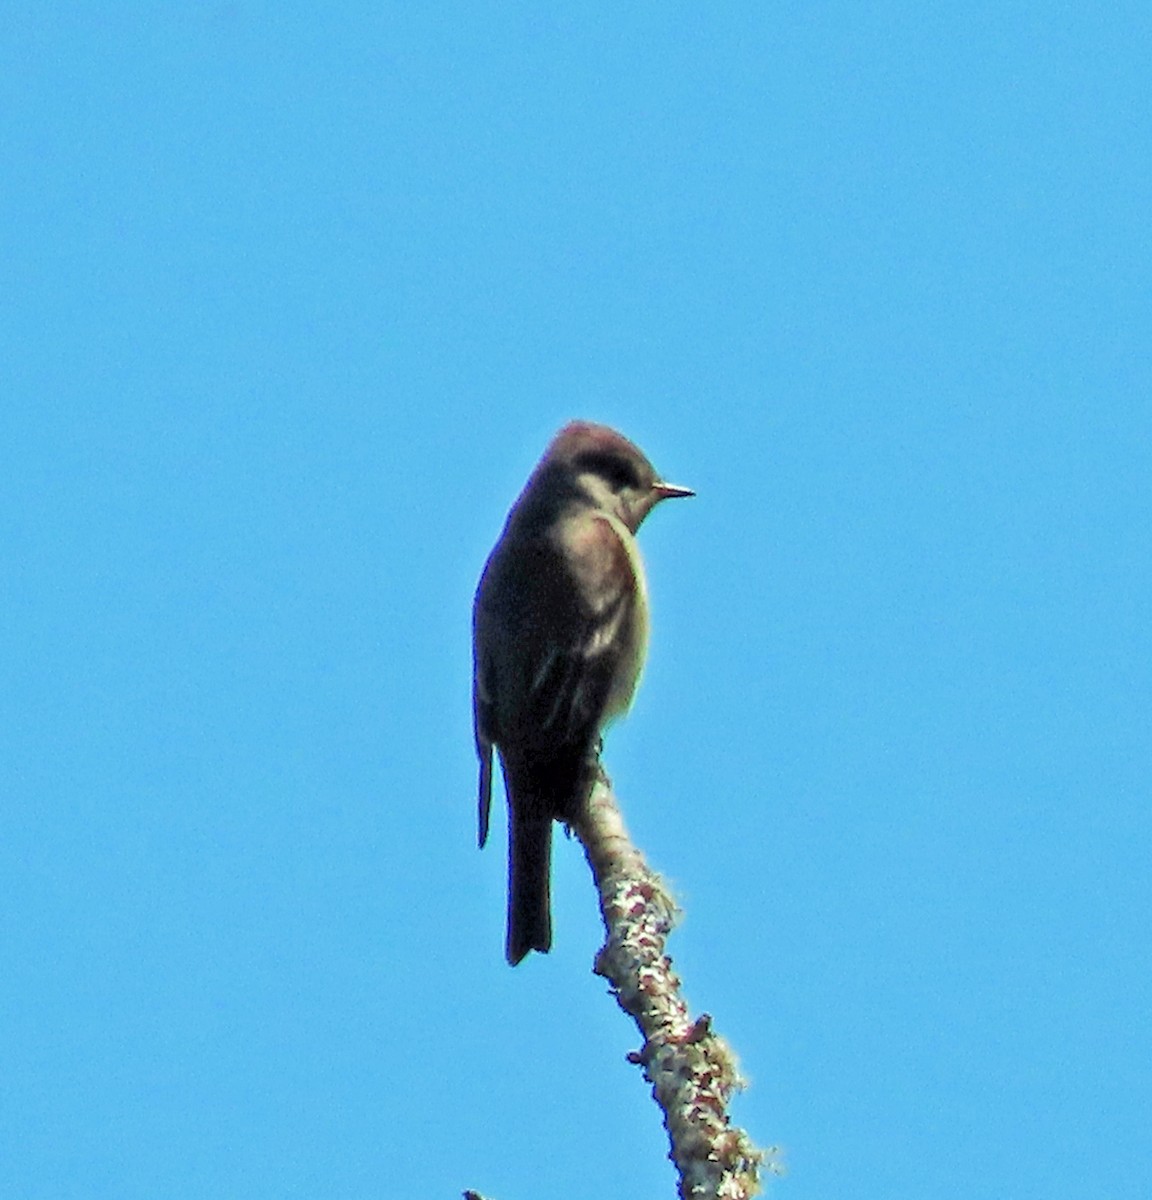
692,1070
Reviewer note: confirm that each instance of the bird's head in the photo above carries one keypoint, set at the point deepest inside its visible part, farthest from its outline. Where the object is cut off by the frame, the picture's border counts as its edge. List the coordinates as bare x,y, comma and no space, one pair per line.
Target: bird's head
605,467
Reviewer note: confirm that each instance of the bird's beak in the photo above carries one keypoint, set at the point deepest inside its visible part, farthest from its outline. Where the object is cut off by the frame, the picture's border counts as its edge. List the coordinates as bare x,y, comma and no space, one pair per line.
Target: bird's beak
670,491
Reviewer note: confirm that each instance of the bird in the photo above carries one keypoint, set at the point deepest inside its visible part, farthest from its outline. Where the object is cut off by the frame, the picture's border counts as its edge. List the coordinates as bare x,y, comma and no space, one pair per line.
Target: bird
560,633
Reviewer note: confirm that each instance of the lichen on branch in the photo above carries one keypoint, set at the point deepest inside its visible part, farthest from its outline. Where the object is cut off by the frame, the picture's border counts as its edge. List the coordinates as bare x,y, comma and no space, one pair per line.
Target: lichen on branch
692,1070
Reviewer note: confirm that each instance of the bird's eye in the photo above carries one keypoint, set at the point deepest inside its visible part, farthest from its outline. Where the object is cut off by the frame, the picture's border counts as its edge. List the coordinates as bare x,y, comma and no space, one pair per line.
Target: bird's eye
617,471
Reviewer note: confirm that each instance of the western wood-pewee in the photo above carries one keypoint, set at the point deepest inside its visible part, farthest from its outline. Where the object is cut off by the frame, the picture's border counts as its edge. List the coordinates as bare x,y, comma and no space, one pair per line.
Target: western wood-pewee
560,629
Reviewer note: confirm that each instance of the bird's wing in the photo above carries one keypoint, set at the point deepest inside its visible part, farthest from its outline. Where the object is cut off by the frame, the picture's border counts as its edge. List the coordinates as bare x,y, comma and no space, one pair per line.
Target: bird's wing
575,637
482,726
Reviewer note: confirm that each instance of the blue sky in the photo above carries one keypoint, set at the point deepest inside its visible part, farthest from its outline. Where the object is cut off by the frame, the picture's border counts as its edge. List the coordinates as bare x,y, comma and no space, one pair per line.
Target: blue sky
292,299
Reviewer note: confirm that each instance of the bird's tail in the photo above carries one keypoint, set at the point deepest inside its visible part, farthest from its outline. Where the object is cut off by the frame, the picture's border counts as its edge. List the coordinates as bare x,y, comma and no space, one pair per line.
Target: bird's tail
529,899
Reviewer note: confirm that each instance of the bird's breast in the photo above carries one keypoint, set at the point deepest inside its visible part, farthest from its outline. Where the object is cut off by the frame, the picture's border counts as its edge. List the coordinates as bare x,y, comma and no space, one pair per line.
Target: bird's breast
633,631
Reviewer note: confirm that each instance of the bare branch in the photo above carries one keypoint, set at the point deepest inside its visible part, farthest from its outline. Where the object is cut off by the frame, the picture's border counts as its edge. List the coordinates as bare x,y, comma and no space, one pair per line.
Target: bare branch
692,1071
